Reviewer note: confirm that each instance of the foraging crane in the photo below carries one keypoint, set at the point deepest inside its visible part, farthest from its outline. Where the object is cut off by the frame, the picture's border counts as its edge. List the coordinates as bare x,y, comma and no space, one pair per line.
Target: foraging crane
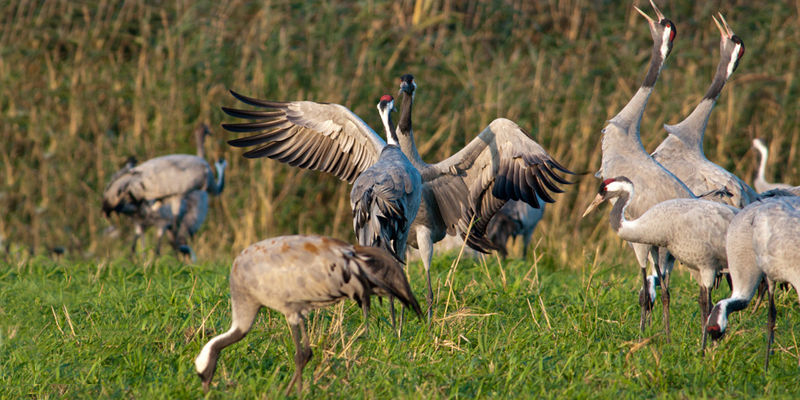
624,155
386,196
461,194
682,151
502,163
763,240
692,230
760,183
295,275
515,218
153,192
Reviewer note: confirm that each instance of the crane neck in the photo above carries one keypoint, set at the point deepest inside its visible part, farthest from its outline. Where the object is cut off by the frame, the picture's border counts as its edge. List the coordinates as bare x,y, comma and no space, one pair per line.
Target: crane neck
389,128
762,165
200,139
219,185
617,216
405,132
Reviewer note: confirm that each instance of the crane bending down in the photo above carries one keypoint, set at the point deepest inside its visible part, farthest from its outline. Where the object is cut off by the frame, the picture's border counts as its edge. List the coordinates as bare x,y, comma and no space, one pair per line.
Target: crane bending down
154,192
385,197
515,218
693,231
624,155
295,275
760,183
682,151
502,163
763,240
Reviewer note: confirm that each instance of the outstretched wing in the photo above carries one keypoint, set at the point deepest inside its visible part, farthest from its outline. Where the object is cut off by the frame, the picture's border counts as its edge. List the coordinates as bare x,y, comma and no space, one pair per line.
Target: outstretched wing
503,163
320,136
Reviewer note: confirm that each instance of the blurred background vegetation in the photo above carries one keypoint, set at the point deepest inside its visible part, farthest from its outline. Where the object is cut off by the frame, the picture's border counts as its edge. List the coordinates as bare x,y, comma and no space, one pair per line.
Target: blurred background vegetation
85,84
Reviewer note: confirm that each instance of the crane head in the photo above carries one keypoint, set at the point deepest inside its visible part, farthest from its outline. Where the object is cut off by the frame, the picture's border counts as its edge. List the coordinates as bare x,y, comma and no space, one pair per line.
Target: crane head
407,84
610,189
717,321
386,102
662,30
731,47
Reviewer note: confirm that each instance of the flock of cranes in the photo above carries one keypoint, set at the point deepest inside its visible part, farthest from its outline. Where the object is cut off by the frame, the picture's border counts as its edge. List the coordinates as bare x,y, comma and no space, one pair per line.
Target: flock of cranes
673,204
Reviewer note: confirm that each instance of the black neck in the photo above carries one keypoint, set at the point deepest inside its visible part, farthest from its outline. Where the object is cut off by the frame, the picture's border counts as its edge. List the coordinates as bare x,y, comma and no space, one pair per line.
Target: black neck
736,305
655,68
719,81
615,218
405,113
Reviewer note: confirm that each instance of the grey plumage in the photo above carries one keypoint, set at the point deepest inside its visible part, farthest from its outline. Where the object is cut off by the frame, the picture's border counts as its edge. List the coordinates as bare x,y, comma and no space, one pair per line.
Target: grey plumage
515,218
386,196
154,192
460,195
760,183
295,275
502,163
624,155
763,240
682,151
692,230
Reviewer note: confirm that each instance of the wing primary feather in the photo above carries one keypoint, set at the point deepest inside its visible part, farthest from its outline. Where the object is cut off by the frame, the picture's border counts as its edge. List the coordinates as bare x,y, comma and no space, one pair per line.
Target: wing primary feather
256,126
259,103
248,114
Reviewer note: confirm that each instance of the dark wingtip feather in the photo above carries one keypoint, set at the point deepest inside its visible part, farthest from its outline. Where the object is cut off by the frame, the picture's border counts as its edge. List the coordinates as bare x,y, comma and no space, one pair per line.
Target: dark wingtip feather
258,103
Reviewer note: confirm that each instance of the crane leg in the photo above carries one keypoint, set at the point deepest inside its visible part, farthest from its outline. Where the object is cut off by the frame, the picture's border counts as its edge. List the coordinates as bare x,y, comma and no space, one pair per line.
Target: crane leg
662,262
645,296
302,354
762,287
770,323
365,309
425,244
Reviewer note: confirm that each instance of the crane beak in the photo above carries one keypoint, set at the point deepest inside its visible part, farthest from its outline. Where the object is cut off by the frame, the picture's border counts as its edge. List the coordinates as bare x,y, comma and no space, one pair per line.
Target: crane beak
727,28
597,200
658,12
649,20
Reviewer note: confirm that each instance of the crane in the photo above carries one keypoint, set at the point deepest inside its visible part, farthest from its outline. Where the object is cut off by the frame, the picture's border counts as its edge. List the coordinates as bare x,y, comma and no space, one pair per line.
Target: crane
682,151
692,230
624,155
762,241
298,274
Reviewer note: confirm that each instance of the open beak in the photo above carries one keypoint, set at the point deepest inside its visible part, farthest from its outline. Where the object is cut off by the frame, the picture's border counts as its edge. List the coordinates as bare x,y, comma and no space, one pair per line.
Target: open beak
649,20
658,12
597,200
724,32
727,28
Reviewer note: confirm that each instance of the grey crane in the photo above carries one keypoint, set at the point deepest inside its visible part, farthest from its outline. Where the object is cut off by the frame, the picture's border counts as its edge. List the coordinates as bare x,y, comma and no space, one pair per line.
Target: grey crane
154,192
682,151
385,197
762,241
460,195
760,183
295,275
515,218
624,155
693,230
502,163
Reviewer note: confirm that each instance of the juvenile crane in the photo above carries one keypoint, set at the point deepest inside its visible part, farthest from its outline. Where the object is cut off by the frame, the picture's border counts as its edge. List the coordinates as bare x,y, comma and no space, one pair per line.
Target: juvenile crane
760,183
298,274
693,231
763,240
624,155
502,163
682,151
386,196
154,192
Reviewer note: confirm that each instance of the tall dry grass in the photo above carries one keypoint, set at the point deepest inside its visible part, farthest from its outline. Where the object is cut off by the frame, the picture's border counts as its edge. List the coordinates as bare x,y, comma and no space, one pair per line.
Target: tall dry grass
85,84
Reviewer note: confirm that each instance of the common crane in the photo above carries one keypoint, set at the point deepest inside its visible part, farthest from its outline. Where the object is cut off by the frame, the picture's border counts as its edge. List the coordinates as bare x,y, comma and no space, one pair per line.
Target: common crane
682,151
298,274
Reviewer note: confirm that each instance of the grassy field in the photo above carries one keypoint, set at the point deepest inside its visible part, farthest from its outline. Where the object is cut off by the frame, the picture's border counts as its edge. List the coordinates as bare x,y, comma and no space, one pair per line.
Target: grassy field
526,329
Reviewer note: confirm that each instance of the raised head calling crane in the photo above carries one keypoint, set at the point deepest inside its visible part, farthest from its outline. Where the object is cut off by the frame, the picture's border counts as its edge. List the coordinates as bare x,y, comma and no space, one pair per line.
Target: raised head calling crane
154,192
760,183
682,151
624,155
693,231
763,240
502,163
298,274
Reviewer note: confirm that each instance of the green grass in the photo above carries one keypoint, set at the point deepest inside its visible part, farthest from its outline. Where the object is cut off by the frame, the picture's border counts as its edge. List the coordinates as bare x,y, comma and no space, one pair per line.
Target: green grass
526,330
